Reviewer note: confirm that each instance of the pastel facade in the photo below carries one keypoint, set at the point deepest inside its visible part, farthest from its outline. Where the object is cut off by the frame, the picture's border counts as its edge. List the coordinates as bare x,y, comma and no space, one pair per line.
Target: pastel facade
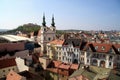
54,49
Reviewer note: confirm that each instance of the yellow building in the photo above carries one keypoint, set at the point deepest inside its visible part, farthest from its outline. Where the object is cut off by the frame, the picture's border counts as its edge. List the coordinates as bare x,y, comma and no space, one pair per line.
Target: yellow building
54,49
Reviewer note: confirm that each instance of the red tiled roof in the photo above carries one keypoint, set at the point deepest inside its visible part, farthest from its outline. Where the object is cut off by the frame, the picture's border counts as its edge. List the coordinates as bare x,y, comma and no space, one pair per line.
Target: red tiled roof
64,66
117,46
74,66
57,42
7,63
55,70
13,76
57,63
100,45
106,46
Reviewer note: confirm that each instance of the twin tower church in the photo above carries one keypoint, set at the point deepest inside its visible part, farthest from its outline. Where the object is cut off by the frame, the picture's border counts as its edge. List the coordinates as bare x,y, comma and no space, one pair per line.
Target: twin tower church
46,34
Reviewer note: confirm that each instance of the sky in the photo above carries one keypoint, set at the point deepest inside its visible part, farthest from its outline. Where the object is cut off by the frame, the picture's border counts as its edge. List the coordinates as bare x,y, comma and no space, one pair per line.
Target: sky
69,14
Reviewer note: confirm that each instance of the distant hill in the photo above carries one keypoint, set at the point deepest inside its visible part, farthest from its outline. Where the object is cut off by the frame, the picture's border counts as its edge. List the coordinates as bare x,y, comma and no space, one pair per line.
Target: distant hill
3,30
26,28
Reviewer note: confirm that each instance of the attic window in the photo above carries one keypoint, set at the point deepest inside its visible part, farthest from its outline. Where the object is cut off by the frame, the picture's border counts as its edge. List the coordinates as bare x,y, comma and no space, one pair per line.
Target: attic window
103,48
3,70
118,49
96,47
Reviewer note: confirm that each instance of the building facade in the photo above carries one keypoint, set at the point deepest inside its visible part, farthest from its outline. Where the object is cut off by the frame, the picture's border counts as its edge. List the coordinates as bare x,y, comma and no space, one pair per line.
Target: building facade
6,66
54,49
101,55
71,50
46,34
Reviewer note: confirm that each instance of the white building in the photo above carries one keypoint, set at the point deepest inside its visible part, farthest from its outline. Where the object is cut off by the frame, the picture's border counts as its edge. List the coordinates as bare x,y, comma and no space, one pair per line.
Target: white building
21,64
46,34
71,50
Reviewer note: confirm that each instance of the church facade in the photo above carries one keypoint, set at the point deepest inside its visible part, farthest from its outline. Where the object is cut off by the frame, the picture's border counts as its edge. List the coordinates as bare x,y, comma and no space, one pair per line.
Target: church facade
46,34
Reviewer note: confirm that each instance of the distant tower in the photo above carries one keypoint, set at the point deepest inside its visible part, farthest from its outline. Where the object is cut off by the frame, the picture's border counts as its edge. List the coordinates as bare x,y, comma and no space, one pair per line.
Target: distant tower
43,23
53,28
47,34
53,23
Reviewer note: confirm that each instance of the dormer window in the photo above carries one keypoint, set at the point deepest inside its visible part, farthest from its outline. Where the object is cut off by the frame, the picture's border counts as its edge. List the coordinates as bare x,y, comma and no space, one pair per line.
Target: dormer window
96,47
119,49
103,48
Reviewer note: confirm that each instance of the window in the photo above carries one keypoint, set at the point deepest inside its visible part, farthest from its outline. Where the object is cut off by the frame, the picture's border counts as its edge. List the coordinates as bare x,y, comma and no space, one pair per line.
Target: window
64,53
119,49
96,47
59,53
103,48
77,50
109,63
103,56
52,57
71,49
4,75
49,38
63,58
59,58
44,29
44,38
118,57
3,70
66,59
87,60
110,58
60,48
70,60
74,50
77,55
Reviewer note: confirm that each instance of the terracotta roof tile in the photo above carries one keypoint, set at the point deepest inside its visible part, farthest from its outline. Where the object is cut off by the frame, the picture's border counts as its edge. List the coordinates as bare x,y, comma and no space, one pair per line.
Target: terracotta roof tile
64,66
7,63
99,46
106,47
57,63
13,76
117,46
74,66
57,42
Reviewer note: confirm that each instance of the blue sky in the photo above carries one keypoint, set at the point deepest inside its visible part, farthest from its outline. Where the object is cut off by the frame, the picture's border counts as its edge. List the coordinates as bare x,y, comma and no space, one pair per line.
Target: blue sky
69,14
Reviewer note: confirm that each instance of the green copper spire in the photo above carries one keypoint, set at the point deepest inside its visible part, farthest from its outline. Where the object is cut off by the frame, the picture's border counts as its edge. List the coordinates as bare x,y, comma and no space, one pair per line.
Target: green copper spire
44,23
53,23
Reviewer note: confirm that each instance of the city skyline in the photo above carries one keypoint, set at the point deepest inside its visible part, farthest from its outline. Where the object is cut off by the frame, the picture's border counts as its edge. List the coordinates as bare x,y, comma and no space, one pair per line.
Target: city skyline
74,14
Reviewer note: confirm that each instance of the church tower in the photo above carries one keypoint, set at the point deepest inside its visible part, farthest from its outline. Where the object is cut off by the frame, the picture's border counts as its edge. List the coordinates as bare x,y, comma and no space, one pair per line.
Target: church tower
47,34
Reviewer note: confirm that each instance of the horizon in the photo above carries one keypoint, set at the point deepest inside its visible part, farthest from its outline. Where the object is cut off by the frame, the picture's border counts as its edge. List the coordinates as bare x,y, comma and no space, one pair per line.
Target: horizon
78,15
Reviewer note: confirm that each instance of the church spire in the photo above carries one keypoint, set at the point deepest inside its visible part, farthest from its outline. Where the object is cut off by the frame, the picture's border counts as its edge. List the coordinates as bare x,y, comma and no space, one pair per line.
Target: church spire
44,23
53,23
